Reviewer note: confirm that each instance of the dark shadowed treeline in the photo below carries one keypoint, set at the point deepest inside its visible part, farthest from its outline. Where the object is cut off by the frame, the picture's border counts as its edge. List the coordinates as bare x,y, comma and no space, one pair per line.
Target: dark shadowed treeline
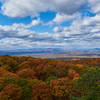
27,78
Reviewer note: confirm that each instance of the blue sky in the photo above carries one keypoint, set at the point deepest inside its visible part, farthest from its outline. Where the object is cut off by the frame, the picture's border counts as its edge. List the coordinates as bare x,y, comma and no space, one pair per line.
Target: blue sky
67,24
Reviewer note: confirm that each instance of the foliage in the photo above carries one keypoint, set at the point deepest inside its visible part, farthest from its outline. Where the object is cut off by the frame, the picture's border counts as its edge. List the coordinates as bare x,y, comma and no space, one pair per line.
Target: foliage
51,78
28,78
12,92
88,85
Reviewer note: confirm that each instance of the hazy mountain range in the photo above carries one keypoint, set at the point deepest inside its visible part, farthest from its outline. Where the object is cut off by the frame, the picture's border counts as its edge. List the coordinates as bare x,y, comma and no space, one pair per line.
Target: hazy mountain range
79,52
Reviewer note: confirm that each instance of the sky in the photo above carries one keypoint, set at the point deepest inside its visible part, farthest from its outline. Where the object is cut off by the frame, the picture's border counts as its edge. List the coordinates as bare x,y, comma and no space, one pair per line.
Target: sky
68,24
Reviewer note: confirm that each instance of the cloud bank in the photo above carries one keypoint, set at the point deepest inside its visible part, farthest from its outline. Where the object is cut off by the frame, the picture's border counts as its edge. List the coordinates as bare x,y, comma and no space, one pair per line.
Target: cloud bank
84,32
22,8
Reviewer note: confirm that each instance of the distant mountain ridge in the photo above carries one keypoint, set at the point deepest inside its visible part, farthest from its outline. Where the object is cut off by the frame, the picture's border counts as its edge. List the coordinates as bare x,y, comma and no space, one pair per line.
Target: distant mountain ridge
79,52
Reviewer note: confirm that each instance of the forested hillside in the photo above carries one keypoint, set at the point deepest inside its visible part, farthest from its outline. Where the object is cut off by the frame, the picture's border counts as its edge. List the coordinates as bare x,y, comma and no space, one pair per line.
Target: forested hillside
27,78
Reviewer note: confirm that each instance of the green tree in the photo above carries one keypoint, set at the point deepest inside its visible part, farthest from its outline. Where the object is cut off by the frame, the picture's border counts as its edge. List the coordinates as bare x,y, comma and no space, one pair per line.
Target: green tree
87,87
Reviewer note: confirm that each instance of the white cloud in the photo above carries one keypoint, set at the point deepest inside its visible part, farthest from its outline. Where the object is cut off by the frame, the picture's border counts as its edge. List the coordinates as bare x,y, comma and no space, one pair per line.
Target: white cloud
12,43
95,5
67,6
35,23
60,18
22,8
57,29
18,30
82,33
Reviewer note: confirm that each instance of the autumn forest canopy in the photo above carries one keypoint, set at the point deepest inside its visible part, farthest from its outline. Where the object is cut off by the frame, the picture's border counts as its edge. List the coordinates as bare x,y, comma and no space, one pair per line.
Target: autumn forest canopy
28,78
49,49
